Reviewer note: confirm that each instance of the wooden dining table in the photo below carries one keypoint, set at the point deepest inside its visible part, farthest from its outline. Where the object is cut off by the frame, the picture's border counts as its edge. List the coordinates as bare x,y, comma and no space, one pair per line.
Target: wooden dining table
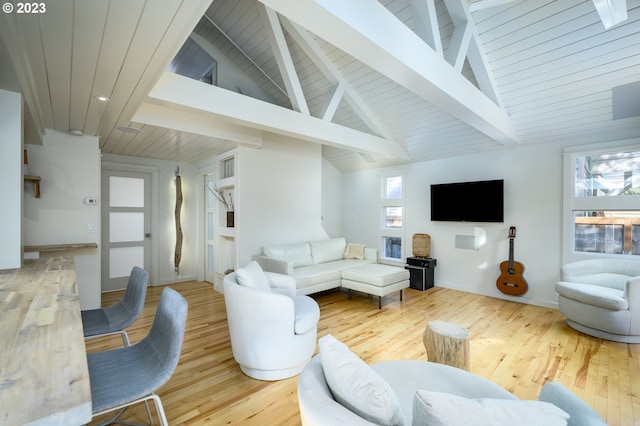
44,378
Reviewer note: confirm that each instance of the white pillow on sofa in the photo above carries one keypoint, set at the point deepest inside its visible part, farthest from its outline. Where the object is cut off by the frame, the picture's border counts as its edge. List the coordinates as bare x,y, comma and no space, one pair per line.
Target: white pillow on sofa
444,409
357,386
253,276
354,251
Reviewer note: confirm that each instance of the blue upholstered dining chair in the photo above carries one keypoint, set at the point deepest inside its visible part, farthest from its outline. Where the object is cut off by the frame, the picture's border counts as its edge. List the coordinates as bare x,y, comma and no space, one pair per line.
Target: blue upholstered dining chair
114,319
130,375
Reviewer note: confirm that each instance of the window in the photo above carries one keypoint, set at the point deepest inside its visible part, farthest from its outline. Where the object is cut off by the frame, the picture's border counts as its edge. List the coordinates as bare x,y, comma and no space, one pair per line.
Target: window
605,202
392,221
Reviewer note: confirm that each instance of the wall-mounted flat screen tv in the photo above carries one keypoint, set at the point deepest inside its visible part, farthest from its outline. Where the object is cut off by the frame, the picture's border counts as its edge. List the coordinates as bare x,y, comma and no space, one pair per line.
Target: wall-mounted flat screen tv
479,201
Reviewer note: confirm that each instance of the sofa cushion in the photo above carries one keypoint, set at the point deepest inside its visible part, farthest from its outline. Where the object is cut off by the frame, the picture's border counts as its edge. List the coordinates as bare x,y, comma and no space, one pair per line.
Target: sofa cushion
298,254
442,409
328,250
354,251
357,386
603,297
253,276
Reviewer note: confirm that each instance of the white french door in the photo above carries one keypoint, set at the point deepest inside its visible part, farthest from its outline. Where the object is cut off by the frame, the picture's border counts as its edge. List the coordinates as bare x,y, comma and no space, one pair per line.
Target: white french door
125,226
209,229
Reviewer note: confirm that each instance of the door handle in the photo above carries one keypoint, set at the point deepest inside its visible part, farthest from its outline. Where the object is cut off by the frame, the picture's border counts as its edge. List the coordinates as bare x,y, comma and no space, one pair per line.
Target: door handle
147,235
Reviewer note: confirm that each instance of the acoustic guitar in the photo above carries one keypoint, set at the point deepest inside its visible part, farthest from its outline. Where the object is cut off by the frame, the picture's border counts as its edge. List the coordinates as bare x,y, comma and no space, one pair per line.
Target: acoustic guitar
511,280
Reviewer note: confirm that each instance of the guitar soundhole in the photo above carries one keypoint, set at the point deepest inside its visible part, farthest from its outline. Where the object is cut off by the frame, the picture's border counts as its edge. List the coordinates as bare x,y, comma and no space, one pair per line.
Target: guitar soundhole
511,271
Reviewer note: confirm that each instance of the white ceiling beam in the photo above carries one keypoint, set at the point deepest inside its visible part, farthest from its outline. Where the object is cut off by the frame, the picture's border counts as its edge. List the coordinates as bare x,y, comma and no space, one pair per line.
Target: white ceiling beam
221,104
378,39
459,45
611,12
332,106
487,4
309,45
426,20
283,59
474,51
168,115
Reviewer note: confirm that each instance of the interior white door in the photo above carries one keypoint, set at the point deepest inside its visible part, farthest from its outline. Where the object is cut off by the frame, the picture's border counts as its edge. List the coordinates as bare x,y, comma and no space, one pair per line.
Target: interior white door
125,226
209,229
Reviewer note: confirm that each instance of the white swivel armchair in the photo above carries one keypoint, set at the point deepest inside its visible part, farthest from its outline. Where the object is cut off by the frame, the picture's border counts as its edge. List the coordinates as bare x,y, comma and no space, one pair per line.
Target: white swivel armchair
601,298
273,331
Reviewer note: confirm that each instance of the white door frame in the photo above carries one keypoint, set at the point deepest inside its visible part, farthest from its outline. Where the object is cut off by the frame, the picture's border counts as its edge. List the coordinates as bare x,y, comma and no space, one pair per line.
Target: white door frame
153,171
201,217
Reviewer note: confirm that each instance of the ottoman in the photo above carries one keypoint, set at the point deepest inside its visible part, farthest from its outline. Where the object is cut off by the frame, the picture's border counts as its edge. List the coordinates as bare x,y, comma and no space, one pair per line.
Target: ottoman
375,279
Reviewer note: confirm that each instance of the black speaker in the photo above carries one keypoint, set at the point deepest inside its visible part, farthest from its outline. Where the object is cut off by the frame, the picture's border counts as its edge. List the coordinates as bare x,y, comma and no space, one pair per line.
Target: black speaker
423,262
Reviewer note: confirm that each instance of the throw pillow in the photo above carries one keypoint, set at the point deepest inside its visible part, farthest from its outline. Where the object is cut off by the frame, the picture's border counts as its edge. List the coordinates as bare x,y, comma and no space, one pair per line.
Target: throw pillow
443,409
253,276
354,251
357,386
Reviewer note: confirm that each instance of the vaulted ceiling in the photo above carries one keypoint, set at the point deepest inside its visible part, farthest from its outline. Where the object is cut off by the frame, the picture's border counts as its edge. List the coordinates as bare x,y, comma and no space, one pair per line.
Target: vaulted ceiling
376,82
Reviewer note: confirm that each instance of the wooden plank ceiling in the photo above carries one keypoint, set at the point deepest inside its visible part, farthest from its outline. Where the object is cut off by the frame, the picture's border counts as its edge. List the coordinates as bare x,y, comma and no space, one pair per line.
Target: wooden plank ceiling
456,78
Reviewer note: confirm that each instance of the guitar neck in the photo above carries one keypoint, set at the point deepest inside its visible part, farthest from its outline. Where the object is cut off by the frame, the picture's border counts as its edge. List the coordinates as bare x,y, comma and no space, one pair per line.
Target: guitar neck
511,253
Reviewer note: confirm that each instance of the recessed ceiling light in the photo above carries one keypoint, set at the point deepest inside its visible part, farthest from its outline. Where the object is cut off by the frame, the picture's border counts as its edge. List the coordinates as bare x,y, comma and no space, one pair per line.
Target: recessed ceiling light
76,132
126,129
102,98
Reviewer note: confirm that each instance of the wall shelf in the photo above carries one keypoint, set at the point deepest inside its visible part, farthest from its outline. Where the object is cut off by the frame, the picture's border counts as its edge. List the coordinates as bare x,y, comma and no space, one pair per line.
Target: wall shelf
36,183
60,247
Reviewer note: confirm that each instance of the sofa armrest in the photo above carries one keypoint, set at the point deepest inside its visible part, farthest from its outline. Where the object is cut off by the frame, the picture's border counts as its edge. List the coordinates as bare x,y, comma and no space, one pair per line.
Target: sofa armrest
273,265
281,284
581,413
371,254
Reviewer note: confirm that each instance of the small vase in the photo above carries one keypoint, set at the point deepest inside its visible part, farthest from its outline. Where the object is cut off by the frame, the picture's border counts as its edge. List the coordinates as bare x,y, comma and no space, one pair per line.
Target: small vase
230,219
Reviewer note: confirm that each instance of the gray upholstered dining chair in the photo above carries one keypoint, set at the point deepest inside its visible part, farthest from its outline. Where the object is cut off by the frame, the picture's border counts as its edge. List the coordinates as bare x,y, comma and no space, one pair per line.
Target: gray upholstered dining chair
114,319
130,375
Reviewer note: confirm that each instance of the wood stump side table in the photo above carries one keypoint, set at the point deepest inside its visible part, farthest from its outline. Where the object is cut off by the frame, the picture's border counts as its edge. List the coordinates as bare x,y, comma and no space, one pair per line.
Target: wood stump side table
447,343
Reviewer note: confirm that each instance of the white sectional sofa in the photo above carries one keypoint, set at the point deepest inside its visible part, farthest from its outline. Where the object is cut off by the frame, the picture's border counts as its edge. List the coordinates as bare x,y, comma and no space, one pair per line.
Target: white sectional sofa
316,265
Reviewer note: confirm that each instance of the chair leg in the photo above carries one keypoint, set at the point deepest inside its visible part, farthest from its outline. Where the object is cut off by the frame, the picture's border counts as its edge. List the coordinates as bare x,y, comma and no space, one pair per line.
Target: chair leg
162,418
122,333
125,338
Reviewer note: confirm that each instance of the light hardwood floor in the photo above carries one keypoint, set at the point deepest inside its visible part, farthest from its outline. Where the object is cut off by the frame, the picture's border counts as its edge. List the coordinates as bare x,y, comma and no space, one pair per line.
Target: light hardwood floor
518,346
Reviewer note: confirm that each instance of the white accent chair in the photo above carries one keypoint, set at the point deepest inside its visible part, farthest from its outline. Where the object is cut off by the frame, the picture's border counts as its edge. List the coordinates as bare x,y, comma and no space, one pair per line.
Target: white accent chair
601,298
273,331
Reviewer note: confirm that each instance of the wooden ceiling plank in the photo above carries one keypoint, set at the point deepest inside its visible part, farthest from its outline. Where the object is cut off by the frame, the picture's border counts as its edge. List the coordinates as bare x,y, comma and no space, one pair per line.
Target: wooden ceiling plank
89,16
56,27
403,57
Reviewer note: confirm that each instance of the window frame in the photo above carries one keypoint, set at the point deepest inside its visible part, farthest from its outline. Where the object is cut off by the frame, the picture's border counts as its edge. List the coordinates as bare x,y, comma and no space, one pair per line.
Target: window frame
572,203
387,232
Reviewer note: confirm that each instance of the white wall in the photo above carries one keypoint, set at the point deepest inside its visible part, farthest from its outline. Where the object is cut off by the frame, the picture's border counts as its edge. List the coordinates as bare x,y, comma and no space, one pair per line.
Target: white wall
11,178
331,199
279,195
533,203
163,234
70,170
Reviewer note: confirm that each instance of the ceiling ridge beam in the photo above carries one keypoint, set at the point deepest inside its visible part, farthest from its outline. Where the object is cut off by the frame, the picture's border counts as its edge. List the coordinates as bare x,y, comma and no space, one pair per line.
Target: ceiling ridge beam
324,64
282,55
379,40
